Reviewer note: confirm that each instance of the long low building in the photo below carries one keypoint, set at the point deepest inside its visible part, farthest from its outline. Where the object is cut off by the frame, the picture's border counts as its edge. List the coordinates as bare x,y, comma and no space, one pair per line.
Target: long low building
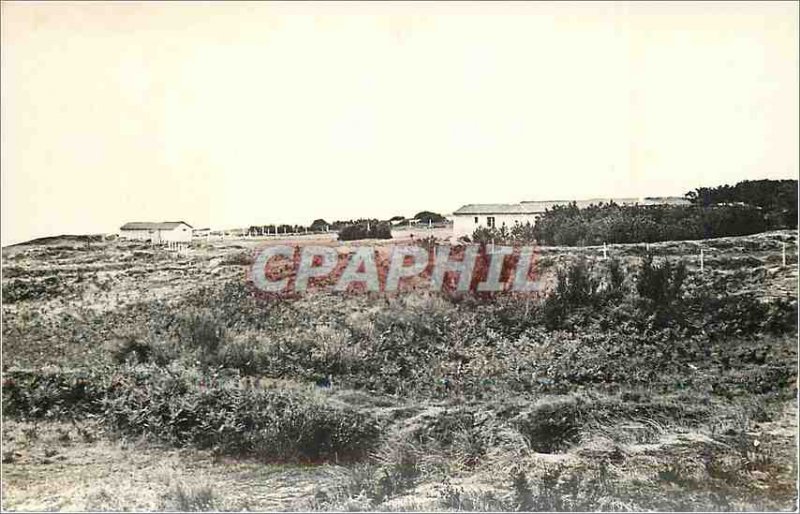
495,215
163,232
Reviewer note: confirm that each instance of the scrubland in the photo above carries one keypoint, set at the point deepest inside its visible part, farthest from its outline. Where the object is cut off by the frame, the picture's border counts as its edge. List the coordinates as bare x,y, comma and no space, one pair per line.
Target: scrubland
138,379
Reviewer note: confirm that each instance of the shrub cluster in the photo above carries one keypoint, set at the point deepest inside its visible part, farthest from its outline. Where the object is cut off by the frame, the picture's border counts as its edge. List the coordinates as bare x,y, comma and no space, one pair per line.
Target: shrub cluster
777,198
611,223
580,288
519,233
182,407
660,284
18,290
366,230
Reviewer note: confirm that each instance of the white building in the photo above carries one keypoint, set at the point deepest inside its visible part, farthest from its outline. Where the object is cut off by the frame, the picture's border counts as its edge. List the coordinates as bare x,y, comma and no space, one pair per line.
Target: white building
493,215
166,231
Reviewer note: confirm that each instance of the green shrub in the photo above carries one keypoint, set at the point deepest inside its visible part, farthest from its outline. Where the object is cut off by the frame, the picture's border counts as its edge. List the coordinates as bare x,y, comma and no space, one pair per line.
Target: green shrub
366,230
518,233
52,394
18,290
616,278
202,332
576,287
184,408
130,347
660,284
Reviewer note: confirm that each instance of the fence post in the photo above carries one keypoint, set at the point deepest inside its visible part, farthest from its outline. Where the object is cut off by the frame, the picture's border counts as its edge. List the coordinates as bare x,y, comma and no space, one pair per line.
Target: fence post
701,260
605,251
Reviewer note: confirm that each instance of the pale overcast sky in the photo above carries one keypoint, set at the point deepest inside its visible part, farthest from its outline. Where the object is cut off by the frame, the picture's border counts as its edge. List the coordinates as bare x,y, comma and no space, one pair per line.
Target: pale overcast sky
229,114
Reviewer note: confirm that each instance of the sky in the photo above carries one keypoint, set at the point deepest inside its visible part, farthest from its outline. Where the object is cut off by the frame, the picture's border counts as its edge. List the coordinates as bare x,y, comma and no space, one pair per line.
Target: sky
231,114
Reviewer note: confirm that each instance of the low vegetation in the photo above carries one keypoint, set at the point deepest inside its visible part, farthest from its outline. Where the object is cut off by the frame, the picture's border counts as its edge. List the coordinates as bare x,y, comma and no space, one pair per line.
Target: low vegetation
632,383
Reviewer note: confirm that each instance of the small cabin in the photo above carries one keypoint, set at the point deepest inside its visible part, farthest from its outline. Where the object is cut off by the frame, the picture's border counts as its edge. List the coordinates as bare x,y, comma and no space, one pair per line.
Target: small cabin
157,233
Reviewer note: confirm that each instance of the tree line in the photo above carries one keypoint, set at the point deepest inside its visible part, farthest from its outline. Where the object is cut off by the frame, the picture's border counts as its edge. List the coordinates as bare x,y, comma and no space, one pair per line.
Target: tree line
748,207
349,230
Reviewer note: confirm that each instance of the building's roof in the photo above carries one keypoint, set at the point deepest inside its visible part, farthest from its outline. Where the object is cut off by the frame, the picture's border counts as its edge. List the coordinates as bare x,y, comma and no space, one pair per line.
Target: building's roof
498,208
538,207
149,225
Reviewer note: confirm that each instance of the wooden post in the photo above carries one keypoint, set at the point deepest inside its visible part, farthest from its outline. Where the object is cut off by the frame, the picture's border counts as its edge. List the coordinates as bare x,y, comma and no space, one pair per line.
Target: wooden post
783,254
605,251
701,260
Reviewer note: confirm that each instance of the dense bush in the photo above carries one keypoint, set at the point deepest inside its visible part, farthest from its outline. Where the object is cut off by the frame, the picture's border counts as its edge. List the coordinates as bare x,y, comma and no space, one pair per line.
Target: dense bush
182,407
52,393
777,198
369,230
578,287
18,290
200,331
519,233
429,217
660,284
611,223
319,225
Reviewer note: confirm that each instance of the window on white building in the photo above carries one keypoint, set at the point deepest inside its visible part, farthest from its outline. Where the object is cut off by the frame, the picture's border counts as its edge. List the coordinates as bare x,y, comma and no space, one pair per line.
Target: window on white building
476,219
490,221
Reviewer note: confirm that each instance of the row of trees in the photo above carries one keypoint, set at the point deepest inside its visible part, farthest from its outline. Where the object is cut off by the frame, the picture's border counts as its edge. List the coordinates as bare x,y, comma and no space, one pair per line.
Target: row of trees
777,198
368,227
611,223
748,207
376,229
265,230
